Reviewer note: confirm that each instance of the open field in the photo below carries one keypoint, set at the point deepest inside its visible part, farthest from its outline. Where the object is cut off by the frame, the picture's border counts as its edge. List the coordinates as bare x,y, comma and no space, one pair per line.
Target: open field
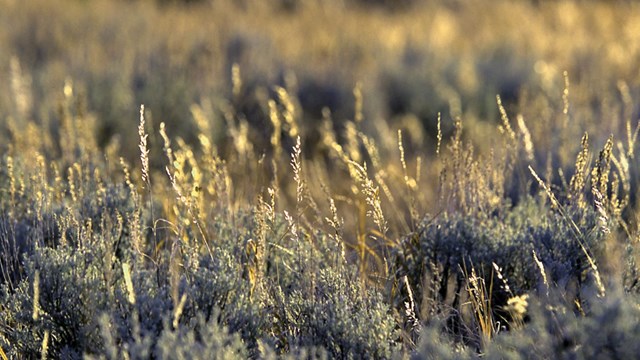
319,179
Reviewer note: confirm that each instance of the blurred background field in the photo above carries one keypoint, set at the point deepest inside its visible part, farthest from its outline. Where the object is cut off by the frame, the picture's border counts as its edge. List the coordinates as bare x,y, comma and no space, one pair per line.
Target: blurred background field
418,121
413,60
410,60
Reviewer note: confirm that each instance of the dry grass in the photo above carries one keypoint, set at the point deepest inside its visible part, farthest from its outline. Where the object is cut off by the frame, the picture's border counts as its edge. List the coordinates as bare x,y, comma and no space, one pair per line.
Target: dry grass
356,133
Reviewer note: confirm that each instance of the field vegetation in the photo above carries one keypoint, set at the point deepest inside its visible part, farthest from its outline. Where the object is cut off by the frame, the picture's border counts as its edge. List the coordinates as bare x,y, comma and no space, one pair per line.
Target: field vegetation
347,179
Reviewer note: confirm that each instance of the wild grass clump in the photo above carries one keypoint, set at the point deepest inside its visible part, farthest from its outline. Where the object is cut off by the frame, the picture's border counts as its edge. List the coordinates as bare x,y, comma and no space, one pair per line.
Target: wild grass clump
90,300
441,255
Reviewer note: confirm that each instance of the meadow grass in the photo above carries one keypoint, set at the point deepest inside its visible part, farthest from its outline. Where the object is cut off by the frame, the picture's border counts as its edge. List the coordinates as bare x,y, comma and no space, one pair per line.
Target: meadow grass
459,180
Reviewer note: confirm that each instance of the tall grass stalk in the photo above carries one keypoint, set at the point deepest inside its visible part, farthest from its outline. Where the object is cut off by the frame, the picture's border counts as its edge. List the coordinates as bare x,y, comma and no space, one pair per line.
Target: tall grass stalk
577,233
